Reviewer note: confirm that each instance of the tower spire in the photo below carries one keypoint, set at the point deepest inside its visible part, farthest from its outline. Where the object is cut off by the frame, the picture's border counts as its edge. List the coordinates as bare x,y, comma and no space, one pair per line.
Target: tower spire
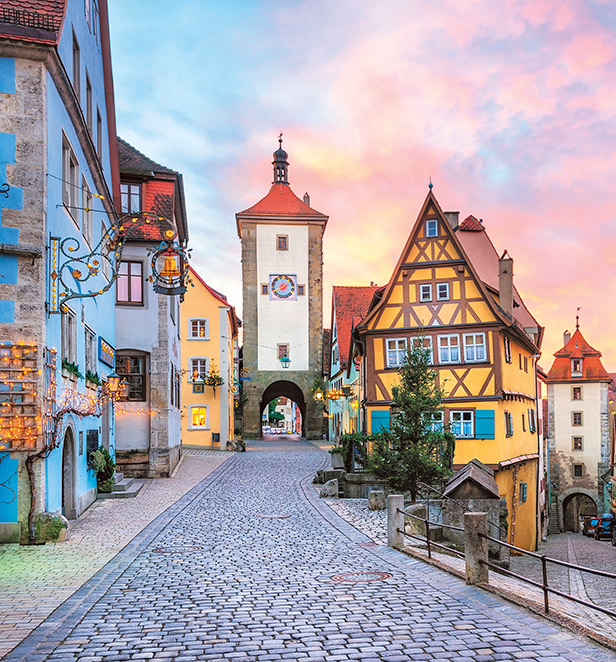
280,164
577,318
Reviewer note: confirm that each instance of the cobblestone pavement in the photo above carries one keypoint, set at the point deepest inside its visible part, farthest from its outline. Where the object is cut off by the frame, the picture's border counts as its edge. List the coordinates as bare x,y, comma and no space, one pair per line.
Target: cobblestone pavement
251,565
36,580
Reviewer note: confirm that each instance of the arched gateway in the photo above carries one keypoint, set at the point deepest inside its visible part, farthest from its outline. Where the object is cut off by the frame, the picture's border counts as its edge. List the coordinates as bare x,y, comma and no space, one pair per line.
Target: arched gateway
282,278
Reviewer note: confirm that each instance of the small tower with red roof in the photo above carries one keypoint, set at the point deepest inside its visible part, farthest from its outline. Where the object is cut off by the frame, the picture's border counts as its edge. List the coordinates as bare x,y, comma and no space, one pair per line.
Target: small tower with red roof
578,429
282,278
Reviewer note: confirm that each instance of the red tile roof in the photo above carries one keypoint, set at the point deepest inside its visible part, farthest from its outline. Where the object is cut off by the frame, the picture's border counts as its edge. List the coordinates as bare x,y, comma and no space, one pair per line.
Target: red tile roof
281,201
37,21
351,304
471,224
578,348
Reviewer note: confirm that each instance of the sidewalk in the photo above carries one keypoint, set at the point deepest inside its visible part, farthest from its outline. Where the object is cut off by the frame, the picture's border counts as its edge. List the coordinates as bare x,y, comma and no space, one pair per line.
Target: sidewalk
36,580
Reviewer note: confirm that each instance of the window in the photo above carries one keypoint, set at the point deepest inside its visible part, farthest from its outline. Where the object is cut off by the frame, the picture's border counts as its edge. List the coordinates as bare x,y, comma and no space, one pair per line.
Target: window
396,352
576,367
88,103
576,418
264,288
474,347
99,134
95,19
198,329
523,423
69,335
423,343
508,424
448,349
507,343
525,364
425,292
442,291
578,471
523,492
198,368
283,350
282,242
577,443
461,423
90,338
301,290
106,253
129,287
132,368
432,228
520,361
70,179
576,393
172,308
436,422
131,197
199,417
176,386
86,212
88,13
532,425
76,68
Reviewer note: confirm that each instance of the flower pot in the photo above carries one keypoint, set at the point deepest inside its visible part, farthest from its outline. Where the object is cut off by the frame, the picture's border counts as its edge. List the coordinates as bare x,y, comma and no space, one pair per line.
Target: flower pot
337,462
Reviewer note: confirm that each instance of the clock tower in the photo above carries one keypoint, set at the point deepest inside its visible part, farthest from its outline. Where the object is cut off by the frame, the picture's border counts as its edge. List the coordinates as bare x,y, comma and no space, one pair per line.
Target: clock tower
282,276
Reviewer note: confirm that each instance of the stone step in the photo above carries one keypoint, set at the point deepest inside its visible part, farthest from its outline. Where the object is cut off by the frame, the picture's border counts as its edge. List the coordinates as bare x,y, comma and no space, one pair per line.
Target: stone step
118,475
134,489
554,518
123,484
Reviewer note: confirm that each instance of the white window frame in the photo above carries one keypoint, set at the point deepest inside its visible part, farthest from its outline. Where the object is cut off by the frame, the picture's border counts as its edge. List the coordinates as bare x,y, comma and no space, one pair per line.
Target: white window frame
437,424
191,368
206,324
466,419
87,217
425,292
448,348
70,180
69,335
580,372
473,347
400,345
432,227
90,343
440,297
426,344
191,426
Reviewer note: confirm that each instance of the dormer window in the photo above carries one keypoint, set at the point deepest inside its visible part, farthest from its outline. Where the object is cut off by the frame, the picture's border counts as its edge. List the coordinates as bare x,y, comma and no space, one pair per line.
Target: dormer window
576,367
432,228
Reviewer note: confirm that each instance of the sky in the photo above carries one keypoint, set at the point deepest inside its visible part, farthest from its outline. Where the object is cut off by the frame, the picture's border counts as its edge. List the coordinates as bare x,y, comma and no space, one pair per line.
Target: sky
509,106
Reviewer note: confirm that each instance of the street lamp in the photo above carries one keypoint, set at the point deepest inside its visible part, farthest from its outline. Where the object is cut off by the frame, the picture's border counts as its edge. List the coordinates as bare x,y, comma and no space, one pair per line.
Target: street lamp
113,383
124,389
285,361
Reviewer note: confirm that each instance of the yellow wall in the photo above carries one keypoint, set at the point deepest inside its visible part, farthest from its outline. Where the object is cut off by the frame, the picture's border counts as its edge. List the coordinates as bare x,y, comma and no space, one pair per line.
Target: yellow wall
200,303
522,518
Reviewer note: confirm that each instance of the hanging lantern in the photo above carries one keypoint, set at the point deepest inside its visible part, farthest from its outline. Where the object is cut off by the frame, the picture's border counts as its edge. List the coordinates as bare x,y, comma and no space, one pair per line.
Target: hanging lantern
113,383
285,361
318,396
124,390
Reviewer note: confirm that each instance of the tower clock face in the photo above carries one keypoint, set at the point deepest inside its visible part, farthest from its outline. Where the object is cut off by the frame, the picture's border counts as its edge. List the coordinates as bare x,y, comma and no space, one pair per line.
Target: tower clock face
283,286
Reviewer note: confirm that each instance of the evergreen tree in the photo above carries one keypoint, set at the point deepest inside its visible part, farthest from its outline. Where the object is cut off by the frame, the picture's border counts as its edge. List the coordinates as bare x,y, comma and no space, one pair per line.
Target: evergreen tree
418,448
272,414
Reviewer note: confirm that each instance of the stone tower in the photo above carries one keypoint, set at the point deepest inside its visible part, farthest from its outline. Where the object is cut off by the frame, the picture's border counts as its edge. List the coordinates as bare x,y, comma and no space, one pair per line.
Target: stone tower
282,274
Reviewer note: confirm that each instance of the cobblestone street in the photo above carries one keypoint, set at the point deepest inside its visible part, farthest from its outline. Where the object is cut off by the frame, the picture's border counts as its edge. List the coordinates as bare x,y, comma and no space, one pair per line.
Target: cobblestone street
252,565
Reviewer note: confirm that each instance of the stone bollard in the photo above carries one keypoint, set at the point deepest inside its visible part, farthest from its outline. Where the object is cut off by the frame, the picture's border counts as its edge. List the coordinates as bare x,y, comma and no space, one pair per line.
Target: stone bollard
395,521
476,547
376,500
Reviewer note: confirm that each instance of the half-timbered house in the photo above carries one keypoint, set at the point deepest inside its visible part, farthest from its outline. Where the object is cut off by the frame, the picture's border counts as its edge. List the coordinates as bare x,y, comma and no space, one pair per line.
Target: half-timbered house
451,292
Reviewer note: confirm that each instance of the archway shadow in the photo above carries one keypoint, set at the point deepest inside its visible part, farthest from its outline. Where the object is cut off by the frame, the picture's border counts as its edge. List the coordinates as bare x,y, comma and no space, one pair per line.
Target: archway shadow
283,388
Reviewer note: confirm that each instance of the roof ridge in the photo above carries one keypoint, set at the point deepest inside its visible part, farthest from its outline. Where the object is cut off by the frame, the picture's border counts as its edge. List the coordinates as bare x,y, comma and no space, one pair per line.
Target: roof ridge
163,168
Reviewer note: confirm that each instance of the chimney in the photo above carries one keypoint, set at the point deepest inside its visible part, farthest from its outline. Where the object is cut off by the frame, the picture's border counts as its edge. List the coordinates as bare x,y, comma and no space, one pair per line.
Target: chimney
566,337
505,283
306,199
453,218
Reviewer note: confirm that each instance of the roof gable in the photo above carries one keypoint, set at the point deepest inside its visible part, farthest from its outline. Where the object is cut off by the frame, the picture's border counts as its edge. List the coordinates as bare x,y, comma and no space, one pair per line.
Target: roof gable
578,348
281,201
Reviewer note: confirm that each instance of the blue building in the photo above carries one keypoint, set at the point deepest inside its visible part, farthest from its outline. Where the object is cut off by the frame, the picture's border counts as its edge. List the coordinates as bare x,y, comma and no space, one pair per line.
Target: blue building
59,176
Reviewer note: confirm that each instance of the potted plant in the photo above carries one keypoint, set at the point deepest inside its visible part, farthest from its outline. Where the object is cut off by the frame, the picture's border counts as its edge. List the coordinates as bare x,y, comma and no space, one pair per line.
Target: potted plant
336,455
71,370
102,464
92,379
213,378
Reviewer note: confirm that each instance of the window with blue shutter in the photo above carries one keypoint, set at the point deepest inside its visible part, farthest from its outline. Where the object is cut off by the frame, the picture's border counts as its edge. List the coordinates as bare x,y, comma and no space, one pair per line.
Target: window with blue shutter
380,421
484,424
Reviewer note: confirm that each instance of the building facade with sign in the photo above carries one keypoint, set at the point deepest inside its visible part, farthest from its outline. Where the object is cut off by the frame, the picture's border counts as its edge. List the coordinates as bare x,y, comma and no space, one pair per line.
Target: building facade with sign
148,348
208,332
282,274
58,162
450,292
580,443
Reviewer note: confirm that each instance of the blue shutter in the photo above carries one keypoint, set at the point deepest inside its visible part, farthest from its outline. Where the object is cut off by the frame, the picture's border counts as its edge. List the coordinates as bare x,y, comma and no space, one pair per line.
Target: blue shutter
484,424
380,421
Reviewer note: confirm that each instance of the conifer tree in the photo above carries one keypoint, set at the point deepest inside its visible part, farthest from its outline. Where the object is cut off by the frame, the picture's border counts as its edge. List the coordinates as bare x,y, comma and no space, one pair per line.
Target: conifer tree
418,448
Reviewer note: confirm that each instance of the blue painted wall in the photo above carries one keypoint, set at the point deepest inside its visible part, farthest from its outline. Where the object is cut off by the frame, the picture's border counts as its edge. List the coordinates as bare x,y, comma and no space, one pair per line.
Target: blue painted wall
8,488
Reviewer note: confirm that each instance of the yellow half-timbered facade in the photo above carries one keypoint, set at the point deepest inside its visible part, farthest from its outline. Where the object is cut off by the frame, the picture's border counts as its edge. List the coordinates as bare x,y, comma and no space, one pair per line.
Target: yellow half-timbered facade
451,292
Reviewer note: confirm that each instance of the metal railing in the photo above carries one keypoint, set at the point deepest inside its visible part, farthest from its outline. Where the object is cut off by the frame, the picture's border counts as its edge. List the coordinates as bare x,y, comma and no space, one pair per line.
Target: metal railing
542,558
29,19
